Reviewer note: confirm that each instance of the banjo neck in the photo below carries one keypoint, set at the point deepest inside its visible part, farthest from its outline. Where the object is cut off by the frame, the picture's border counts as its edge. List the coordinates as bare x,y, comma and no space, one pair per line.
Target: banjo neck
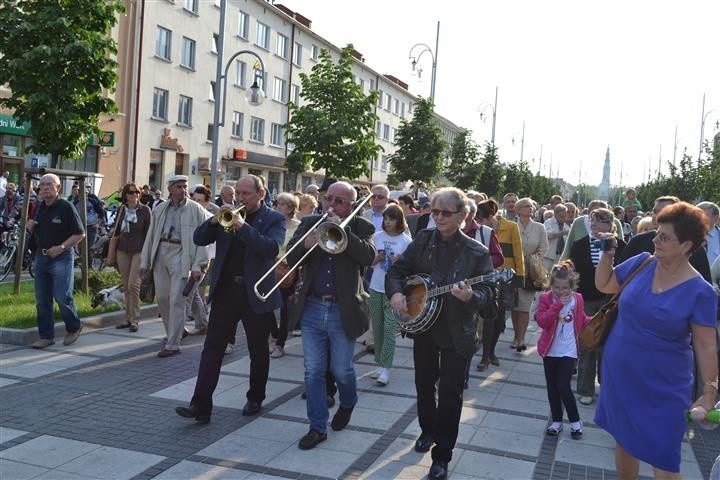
470,281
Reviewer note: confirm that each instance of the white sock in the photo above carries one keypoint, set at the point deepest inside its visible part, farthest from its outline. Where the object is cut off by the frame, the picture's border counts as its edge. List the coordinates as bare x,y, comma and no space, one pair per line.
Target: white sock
556,425
576,425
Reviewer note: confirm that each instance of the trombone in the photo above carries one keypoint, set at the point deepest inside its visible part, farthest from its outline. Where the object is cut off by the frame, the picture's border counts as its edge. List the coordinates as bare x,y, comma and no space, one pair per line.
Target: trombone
226,216
331,237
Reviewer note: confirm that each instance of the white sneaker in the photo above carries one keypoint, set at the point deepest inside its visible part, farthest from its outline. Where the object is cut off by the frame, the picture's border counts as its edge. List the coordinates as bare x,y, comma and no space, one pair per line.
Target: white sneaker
374,375
586,400
271,344
384,377
296,333
277,352
229,349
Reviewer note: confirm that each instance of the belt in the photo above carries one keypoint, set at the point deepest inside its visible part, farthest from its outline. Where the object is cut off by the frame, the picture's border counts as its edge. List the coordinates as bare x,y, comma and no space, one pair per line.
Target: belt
325,298
171,240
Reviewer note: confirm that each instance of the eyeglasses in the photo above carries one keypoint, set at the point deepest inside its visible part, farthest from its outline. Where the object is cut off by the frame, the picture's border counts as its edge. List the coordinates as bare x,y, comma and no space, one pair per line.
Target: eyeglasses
662,238
378,197
336,200
445,213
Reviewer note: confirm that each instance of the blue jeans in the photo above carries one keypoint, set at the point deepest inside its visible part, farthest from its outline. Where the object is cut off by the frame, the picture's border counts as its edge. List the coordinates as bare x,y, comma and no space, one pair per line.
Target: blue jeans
323,332
54,280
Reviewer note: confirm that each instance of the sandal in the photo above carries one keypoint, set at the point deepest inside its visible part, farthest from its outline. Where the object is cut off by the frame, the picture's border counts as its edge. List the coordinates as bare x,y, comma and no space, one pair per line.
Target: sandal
483,365
123,325
553,431
521,348
494,361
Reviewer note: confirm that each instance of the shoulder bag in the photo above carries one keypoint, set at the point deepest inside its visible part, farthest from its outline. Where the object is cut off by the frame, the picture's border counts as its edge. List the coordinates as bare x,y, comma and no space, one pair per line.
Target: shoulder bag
111,258
595,333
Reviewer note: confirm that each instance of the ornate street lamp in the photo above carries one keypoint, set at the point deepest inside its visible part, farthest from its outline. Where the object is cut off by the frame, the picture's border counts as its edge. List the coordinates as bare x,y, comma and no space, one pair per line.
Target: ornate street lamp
415,58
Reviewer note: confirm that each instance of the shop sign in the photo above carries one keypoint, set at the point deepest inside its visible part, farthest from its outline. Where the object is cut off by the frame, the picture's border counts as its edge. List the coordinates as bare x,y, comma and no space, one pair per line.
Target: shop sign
13,126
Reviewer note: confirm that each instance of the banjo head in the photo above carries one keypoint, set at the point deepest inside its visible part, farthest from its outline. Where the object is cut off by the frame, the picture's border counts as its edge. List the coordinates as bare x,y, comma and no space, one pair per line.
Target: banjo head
415,291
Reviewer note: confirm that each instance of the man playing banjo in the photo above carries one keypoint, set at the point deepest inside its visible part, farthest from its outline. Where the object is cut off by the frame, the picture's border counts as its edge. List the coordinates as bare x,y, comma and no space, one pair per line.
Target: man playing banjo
441,352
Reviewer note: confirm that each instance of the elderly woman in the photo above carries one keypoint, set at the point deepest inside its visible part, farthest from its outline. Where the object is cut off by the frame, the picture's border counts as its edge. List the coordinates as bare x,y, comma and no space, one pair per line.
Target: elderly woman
647,367
442,352
131,227
307,206
287,204
534,245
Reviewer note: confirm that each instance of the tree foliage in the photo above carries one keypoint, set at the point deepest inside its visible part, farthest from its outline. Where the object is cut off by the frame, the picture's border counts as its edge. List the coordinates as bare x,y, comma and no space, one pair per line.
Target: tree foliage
334,129
493,172
419,155
58,62
465,166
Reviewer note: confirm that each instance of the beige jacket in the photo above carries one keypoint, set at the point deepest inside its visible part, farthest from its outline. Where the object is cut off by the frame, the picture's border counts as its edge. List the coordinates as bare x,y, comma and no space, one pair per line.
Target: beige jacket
194,258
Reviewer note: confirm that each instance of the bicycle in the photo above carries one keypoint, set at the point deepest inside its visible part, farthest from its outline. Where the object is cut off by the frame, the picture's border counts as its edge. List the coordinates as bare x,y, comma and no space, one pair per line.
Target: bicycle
8,253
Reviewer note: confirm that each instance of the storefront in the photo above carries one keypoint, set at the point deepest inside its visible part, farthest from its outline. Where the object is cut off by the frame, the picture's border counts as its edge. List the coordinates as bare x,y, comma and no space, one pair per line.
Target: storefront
15,141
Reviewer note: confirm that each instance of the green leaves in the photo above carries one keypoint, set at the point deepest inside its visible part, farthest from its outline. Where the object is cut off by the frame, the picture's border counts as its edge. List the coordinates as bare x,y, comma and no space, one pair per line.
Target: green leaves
58,64
335,127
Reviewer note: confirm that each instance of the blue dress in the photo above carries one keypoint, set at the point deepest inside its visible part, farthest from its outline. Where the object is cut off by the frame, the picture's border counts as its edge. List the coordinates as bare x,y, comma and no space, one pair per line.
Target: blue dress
648,361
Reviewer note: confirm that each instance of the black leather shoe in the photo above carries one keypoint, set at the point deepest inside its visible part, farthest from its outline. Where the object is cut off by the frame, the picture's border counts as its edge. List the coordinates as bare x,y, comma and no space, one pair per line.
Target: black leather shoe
193,412
424,443
252,408
341,418
311,440
438,470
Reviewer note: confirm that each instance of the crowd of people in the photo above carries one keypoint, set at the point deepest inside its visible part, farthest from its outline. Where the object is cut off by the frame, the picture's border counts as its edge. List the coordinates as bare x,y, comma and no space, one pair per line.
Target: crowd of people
660,358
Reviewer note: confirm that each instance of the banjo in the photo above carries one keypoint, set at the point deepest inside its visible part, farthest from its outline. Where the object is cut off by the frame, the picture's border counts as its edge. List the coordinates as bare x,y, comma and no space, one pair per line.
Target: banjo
424,301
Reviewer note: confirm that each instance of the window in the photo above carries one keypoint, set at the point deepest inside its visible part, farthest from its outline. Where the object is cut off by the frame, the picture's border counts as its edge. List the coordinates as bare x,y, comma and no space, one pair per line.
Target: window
295,94
262,39
392,134
257,130
210,132
280,90
402,109
388,102
191,6
276,135
160,104
372,84
378,128
163,41
298,54
315,52
261,80
237,124
243,24
385,164
386,132
240,69
212,91
281,49
188,53
185,111
361,82
396,106
380,99
216,39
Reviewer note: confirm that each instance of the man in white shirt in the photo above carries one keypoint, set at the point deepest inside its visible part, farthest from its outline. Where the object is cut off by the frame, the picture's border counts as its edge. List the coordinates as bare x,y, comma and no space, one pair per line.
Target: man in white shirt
557,230
712,242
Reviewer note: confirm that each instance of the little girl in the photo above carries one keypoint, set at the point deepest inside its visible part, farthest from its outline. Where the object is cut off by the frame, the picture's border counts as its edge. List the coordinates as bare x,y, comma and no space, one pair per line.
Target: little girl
390,243
561,315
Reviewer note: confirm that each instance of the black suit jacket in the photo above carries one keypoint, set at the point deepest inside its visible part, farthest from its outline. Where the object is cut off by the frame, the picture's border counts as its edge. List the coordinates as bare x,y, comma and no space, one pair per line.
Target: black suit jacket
644,243
350,266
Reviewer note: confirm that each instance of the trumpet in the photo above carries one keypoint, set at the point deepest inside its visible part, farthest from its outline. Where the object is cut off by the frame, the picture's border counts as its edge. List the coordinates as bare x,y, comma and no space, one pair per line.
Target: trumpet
226,216
331,237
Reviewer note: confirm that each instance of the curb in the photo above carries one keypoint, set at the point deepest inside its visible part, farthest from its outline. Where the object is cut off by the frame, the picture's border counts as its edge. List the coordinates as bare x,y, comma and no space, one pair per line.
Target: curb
26,336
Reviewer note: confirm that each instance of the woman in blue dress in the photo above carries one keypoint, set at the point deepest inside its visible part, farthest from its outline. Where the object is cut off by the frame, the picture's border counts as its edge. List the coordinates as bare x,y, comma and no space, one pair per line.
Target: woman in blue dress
667,313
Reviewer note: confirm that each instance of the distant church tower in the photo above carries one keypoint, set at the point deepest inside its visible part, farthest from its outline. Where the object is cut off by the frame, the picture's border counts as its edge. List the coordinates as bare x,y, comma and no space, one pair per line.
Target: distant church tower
604,188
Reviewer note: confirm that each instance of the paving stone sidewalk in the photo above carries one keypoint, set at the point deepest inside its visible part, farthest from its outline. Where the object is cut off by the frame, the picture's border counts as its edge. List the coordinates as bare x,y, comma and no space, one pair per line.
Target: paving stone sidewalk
104,408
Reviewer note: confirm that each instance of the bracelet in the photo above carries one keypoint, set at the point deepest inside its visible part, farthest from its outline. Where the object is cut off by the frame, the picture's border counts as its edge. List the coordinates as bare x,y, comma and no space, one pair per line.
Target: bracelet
711,383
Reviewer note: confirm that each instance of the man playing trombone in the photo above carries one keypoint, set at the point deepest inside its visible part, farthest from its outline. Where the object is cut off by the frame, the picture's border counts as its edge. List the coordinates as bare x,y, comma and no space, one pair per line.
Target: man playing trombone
332,303
247,242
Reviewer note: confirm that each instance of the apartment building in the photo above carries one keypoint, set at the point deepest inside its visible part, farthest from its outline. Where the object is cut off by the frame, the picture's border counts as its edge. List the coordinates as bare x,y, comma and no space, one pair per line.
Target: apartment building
167,56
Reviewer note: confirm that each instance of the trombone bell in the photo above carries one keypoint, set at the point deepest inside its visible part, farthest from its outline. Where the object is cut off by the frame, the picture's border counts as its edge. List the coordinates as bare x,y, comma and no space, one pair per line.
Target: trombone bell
331,237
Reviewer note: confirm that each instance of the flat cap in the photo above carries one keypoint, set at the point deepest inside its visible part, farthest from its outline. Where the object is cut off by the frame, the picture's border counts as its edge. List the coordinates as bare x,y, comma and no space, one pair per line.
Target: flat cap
176,178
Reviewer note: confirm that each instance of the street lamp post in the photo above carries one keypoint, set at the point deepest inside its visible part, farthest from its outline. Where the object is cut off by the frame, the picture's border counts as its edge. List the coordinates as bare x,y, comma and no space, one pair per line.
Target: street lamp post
415,58
522,142
482,109
702,127
254,96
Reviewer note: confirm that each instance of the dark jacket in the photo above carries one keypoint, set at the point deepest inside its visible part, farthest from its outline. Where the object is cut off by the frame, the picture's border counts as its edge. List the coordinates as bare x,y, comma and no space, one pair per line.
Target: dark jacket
644,243
580,256
473,260
262,243
350,267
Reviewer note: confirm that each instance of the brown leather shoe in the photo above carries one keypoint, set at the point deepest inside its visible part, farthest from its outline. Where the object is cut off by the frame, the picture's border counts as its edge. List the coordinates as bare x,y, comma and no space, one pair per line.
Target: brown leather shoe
164,353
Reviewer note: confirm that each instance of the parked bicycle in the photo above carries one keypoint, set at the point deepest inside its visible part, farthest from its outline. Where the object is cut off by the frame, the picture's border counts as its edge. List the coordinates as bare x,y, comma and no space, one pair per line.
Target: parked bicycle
9,245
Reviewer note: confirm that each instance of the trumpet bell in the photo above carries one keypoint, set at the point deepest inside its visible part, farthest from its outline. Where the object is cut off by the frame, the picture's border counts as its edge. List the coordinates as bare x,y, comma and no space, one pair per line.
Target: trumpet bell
331,238
226,215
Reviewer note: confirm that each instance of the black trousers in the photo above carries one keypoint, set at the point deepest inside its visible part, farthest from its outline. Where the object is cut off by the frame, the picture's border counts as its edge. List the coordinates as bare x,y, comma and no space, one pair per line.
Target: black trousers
558,374
229,306
280,333
441,419
492,328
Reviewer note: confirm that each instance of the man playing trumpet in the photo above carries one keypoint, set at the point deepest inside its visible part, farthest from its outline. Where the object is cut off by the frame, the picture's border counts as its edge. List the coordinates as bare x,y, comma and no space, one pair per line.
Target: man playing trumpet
244,251
333,308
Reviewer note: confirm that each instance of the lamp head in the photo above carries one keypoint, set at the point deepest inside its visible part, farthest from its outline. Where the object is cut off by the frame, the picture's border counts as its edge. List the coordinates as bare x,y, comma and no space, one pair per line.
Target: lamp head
413,63
255,95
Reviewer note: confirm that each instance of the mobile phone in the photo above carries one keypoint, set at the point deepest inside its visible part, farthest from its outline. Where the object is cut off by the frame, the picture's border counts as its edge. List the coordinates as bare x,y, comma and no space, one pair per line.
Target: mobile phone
604,245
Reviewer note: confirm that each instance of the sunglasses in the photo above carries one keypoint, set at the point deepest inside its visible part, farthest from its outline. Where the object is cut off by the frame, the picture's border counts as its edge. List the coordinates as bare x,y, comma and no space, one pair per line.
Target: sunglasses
445,213
336,200
378,197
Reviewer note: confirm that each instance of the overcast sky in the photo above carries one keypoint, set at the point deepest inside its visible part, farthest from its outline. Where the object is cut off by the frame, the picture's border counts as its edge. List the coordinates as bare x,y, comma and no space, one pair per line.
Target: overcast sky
582,75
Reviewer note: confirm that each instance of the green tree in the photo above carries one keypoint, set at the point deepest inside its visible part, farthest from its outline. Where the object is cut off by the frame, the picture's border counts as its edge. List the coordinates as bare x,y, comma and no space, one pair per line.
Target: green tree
420,147
58,62
335,127
518,179
465,167
493,172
